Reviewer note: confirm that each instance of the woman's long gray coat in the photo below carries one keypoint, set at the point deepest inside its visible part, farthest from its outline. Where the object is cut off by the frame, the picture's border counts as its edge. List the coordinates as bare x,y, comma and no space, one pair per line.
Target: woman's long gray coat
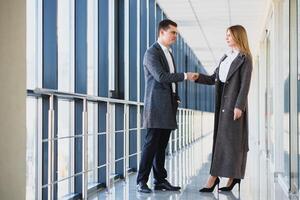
230,145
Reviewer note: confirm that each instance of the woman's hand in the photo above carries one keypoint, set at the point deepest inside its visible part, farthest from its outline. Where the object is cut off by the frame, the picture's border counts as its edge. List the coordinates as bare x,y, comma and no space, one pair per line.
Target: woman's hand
237,113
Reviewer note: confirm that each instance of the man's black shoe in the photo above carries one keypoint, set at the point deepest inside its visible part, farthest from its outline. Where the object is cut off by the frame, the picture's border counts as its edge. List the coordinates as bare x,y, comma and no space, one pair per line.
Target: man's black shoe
143,187
166,186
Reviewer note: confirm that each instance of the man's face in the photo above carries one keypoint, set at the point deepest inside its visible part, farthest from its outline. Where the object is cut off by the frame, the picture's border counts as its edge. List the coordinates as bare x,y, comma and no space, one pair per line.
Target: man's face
169,35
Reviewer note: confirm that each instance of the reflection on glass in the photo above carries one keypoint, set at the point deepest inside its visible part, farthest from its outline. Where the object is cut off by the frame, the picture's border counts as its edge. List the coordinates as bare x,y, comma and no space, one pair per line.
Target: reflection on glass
31,41
298,88
65,157
269,95
31,147
92,47
92,142
65,37
92,88
33,44
286,87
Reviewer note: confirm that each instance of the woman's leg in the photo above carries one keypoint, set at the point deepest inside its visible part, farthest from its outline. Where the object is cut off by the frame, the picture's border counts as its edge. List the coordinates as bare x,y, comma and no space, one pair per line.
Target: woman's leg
229,182
210,182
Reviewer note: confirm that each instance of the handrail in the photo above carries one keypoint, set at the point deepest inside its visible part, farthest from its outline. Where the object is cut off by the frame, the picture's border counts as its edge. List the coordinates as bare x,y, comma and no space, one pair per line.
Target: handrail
185,122
70,95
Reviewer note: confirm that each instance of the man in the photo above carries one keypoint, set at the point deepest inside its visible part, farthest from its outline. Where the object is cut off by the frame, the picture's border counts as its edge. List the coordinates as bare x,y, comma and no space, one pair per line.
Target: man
160,108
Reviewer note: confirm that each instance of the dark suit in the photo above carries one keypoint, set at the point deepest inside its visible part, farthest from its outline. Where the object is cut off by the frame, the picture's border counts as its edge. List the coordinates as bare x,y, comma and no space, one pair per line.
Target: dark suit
159,116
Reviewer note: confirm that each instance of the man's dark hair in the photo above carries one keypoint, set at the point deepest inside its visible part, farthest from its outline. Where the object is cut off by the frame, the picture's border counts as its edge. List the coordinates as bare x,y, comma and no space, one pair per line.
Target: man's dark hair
164,24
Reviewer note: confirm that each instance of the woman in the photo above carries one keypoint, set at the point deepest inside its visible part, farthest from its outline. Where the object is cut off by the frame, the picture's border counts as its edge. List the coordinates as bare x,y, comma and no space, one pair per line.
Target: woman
230,140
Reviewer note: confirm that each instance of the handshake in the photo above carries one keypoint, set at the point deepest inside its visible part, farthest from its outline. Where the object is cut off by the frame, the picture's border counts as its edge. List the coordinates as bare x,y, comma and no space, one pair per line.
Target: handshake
192,76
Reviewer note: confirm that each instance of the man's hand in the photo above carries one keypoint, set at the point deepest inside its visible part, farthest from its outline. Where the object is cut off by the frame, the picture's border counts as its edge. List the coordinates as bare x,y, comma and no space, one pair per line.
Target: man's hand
192,76
237,114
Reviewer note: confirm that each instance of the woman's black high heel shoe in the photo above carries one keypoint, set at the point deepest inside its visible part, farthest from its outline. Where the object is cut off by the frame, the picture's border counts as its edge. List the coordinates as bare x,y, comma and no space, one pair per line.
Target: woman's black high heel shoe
217,181
230,187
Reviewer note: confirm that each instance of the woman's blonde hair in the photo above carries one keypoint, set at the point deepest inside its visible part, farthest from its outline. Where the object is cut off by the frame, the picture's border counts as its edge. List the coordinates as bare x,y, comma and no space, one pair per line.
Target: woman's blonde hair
239,36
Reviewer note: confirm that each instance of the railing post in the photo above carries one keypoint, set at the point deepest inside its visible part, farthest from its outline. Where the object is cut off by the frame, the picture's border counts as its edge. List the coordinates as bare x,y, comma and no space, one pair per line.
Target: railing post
201,133
175,139
126,141
180,130
50,148
185,128
138,142
194,122
170,143
192,130
191,127
110,145
85,150
108,154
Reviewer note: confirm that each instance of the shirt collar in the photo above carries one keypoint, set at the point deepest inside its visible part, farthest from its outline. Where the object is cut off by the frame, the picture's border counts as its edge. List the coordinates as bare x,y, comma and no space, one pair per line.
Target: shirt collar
164,48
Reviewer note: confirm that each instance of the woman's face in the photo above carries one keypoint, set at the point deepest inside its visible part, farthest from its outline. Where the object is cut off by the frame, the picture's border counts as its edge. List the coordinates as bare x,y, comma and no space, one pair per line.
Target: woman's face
229,39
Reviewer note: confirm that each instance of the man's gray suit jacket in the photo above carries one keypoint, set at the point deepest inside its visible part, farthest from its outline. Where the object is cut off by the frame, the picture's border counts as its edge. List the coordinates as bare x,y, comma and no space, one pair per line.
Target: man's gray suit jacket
160,103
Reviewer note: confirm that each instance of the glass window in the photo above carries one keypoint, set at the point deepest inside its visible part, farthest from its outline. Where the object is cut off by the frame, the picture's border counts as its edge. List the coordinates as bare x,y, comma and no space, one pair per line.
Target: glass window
133,51
143,44
102,85
33,61
133,137
32,25
31,152
65,111
65,147
92,143
65,38
119,49
286,89
298,91
92,87
103,48
119,140
152,28
33,112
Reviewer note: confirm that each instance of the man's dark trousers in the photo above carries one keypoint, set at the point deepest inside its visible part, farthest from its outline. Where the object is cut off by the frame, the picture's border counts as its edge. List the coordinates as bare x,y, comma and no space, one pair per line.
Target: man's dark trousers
153,155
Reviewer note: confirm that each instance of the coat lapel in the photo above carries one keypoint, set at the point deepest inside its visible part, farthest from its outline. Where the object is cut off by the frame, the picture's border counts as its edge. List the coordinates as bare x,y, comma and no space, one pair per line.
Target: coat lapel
173,62
217,70
236,63
166,64
162,54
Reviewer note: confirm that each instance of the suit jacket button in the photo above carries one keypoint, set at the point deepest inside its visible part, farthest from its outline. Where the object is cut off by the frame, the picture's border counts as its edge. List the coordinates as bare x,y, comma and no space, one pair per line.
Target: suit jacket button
223,110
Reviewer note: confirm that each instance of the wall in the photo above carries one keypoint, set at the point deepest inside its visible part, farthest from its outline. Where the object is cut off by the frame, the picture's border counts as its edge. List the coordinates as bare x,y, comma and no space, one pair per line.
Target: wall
13,93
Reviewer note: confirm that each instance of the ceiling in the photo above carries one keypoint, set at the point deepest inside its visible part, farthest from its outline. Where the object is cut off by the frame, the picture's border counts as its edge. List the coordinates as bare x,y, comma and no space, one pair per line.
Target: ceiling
202,24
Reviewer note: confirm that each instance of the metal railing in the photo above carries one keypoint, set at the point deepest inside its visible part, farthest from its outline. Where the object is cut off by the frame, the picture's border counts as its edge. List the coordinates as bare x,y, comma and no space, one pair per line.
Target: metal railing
189,130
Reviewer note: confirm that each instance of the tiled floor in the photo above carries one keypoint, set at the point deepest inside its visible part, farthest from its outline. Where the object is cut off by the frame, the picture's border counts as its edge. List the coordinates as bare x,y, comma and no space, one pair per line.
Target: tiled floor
189,168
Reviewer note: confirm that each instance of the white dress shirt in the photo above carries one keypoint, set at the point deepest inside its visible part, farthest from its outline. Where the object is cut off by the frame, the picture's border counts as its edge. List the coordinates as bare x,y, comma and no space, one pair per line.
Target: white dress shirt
226,63
170,63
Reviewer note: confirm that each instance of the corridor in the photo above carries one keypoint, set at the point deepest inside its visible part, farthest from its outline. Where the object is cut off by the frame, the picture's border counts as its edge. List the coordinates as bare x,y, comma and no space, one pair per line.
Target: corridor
189,168
73,85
